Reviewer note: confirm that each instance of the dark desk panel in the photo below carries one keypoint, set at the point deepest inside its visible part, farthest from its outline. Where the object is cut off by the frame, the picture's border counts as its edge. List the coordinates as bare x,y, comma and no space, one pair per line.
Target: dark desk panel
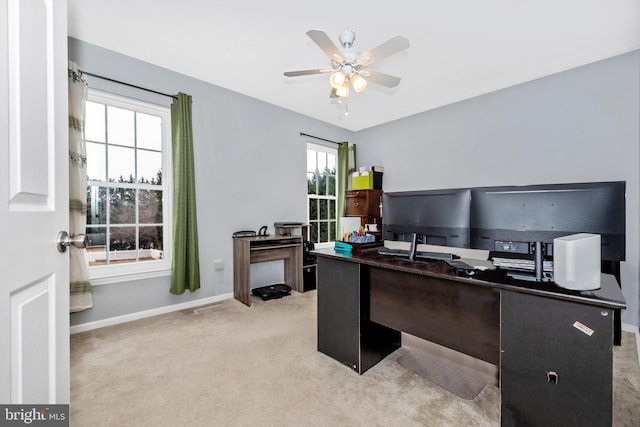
539,337
345,331
532,331
460,316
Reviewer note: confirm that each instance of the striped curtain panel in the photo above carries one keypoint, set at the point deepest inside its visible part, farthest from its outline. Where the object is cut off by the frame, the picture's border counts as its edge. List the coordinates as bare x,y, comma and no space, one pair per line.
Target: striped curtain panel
185,272
79,286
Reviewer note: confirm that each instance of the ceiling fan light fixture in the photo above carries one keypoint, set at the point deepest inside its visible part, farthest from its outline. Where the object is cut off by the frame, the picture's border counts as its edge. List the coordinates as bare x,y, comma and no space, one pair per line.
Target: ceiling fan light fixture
358,82
347,64
343,91
337,79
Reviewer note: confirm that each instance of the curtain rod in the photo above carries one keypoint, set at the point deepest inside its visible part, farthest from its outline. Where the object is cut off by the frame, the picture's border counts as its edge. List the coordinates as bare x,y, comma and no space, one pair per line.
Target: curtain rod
127,84
321,139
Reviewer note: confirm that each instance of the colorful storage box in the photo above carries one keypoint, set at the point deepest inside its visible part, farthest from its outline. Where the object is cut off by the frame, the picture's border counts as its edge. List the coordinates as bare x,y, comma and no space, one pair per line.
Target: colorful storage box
368,181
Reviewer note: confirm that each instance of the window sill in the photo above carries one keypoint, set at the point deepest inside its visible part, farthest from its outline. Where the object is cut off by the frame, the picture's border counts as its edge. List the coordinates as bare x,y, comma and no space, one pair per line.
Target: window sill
129,277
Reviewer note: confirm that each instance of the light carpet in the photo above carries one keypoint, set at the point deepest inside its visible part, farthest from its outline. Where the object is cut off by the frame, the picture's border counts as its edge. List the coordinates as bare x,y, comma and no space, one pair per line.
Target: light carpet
259,366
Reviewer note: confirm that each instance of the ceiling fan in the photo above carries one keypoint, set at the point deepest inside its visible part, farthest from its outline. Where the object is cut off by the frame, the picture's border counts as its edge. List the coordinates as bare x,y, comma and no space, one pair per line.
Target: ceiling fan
348,64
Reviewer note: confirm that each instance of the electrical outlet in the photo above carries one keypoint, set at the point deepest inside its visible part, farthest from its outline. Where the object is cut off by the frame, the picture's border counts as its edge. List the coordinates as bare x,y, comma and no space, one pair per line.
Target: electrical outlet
218,264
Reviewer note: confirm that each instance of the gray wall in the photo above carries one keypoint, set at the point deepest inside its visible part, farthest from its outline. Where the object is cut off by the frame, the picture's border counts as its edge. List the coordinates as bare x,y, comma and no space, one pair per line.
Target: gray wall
250,165
577,126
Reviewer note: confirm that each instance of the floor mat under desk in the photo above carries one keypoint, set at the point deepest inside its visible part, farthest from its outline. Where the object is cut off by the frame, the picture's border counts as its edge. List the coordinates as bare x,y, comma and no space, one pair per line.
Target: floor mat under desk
460,374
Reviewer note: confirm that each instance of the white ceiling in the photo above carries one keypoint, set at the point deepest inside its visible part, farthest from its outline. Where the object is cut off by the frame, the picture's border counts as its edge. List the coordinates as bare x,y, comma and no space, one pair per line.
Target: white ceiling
459,48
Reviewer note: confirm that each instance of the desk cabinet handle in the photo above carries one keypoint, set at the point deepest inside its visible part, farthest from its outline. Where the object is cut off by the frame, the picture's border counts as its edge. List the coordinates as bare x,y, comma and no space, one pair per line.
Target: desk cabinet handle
355,205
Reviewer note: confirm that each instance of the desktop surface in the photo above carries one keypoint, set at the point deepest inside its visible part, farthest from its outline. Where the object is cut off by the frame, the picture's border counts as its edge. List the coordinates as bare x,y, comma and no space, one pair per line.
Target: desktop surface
609,295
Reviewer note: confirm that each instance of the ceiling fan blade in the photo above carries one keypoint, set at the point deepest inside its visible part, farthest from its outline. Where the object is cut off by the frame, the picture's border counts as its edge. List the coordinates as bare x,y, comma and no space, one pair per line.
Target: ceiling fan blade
383,79
324,42
388,48
307,72
333,94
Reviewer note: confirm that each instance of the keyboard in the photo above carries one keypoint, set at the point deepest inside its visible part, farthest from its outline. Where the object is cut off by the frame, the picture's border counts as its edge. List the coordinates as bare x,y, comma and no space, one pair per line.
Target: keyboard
460,266
393,252
450,259
437,256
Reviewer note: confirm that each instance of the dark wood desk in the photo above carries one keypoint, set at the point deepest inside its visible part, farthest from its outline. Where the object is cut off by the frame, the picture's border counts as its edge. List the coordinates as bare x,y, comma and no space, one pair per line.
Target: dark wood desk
250,250
529,330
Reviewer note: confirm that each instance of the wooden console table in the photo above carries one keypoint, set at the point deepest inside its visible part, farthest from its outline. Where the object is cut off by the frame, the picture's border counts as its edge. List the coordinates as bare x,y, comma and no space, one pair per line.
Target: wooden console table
553,346
251,250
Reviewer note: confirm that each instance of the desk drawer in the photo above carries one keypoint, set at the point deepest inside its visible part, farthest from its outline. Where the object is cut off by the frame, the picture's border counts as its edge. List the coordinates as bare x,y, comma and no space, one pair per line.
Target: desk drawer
539,336
356,206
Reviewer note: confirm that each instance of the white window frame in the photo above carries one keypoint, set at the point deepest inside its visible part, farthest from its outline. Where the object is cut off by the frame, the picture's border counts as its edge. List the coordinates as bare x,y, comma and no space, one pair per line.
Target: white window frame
101,275
332,150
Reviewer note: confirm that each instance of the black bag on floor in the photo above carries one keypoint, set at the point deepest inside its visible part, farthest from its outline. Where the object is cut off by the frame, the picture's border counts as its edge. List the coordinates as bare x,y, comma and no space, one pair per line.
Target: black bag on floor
272,291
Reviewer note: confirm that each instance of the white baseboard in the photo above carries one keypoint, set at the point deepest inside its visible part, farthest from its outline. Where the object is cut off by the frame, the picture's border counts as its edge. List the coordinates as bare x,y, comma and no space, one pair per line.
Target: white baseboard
147,313
635,330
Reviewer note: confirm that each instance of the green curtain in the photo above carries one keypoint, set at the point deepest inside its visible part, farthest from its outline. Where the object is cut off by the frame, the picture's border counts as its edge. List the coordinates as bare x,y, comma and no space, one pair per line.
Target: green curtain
185,272
346,165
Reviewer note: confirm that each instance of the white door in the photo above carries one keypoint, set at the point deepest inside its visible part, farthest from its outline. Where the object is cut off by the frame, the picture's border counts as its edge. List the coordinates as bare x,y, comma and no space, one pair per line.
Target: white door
34,276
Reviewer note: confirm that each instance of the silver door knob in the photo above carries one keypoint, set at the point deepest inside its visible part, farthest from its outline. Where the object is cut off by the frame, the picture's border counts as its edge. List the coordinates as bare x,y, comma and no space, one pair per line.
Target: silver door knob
64,241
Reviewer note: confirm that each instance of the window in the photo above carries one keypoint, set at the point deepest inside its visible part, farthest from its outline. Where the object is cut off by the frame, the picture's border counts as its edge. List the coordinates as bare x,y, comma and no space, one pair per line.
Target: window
321,193
128,186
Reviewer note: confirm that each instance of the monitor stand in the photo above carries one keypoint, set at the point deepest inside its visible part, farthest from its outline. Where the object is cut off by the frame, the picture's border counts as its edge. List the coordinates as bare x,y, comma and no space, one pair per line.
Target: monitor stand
539,274
413,247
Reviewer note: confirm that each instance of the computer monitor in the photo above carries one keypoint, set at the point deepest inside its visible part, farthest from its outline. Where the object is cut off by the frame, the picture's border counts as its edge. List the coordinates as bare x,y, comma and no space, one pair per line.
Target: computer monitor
438,217
511,219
